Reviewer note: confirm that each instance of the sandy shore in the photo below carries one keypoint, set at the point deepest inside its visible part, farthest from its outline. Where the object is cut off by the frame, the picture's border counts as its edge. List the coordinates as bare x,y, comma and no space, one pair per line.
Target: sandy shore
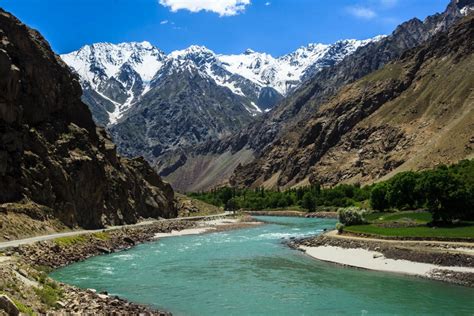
372,260
440,260
292,213
208,226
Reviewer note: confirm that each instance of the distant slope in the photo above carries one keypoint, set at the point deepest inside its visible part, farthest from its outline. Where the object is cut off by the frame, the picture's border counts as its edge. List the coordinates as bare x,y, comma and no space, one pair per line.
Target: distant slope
412,114
298,108
54,162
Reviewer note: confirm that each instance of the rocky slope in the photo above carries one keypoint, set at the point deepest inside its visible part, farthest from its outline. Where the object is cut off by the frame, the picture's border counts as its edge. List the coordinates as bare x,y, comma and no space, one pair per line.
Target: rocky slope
212,163
183,109
53,159
414,113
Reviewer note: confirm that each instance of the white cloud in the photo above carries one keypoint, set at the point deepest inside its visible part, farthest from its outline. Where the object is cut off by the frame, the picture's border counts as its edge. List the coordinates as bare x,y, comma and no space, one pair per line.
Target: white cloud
221,7
362,12
164,22
268,3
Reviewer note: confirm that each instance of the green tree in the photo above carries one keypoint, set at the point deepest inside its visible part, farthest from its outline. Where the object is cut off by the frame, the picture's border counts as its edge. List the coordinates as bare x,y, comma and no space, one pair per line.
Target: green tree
378,197
299,194
446,196
309,201
401,192
231,205
225,195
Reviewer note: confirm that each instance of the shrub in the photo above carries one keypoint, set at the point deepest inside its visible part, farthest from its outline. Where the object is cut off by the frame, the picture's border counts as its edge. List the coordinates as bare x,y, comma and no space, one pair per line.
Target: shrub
70,240
352,216
23,308
340,228
49,294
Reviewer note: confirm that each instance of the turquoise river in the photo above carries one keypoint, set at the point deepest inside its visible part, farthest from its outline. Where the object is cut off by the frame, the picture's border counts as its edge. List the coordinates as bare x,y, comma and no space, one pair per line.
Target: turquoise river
251,272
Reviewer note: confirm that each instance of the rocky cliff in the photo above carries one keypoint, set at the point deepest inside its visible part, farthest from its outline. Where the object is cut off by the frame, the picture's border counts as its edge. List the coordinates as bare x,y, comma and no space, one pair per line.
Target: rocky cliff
53,159
199,165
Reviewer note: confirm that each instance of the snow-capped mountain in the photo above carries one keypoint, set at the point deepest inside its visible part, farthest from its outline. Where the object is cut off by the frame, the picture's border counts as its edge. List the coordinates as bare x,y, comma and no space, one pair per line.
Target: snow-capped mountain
109,59
115,77
286,72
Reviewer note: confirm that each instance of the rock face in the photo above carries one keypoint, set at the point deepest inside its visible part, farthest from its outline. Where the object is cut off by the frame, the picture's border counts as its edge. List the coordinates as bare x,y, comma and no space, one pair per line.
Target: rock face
7,305
183,109
293,113
51,152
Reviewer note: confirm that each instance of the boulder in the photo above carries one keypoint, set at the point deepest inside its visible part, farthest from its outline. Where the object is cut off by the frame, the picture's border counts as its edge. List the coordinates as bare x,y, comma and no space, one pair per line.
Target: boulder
8,306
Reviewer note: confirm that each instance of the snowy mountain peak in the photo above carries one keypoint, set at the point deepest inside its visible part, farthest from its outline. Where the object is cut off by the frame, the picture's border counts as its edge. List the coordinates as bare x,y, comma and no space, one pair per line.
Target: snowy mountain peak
96,61
286,72
249,51
146,44
118,75
193,50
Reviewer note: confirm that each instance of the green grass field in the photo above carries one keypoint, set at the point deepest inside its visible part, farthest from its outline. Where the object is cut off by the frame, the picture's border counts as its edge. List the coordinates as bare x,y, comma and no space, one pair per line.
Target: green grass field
420,230
419,217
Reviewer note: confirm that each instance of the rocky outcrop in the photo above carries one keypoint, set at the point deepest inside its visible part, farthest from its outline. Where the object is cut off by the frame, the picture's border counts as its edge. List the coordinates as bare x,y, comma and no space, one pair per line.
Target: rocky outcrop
7,305
294,112
188,206
51,152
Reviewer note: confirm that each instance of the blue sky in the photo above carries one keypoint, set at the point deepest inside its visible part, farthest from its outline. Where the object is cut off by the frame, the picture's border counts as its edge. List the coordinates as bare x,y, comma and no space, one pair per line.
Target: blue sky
225,26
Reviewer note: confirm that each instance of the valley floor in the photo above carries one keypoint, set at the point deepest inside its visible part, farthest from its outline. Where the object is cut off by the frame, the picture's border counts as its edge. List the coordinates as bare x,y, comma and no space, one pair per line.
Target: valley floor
439,260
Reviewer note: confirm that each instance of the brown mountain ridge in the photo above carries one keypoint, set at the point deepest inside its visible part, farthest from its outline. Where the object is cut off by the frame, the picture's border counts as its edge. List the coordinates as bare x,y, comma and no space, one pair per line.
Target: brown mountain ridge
415,113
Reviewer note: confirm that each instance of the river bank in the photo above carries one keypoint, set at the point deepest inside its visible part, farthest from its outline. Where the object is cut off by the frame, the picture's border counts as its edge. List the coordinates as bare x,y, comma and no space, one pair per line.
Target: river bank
293,213
451,262
23,269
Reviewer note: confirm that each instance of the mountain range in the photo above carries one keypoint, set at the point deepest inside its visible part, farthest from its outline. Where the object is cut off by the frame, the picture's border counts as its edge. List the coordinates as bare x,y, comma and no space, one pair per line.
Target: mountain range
205,119
153,103
286,148
116,76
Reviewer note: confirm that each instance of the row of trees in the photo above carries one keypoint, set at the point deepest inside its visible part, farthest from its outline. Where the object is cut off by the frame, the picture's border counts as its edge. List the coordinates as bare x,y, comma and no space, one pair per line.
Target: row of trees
447,192
309,197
